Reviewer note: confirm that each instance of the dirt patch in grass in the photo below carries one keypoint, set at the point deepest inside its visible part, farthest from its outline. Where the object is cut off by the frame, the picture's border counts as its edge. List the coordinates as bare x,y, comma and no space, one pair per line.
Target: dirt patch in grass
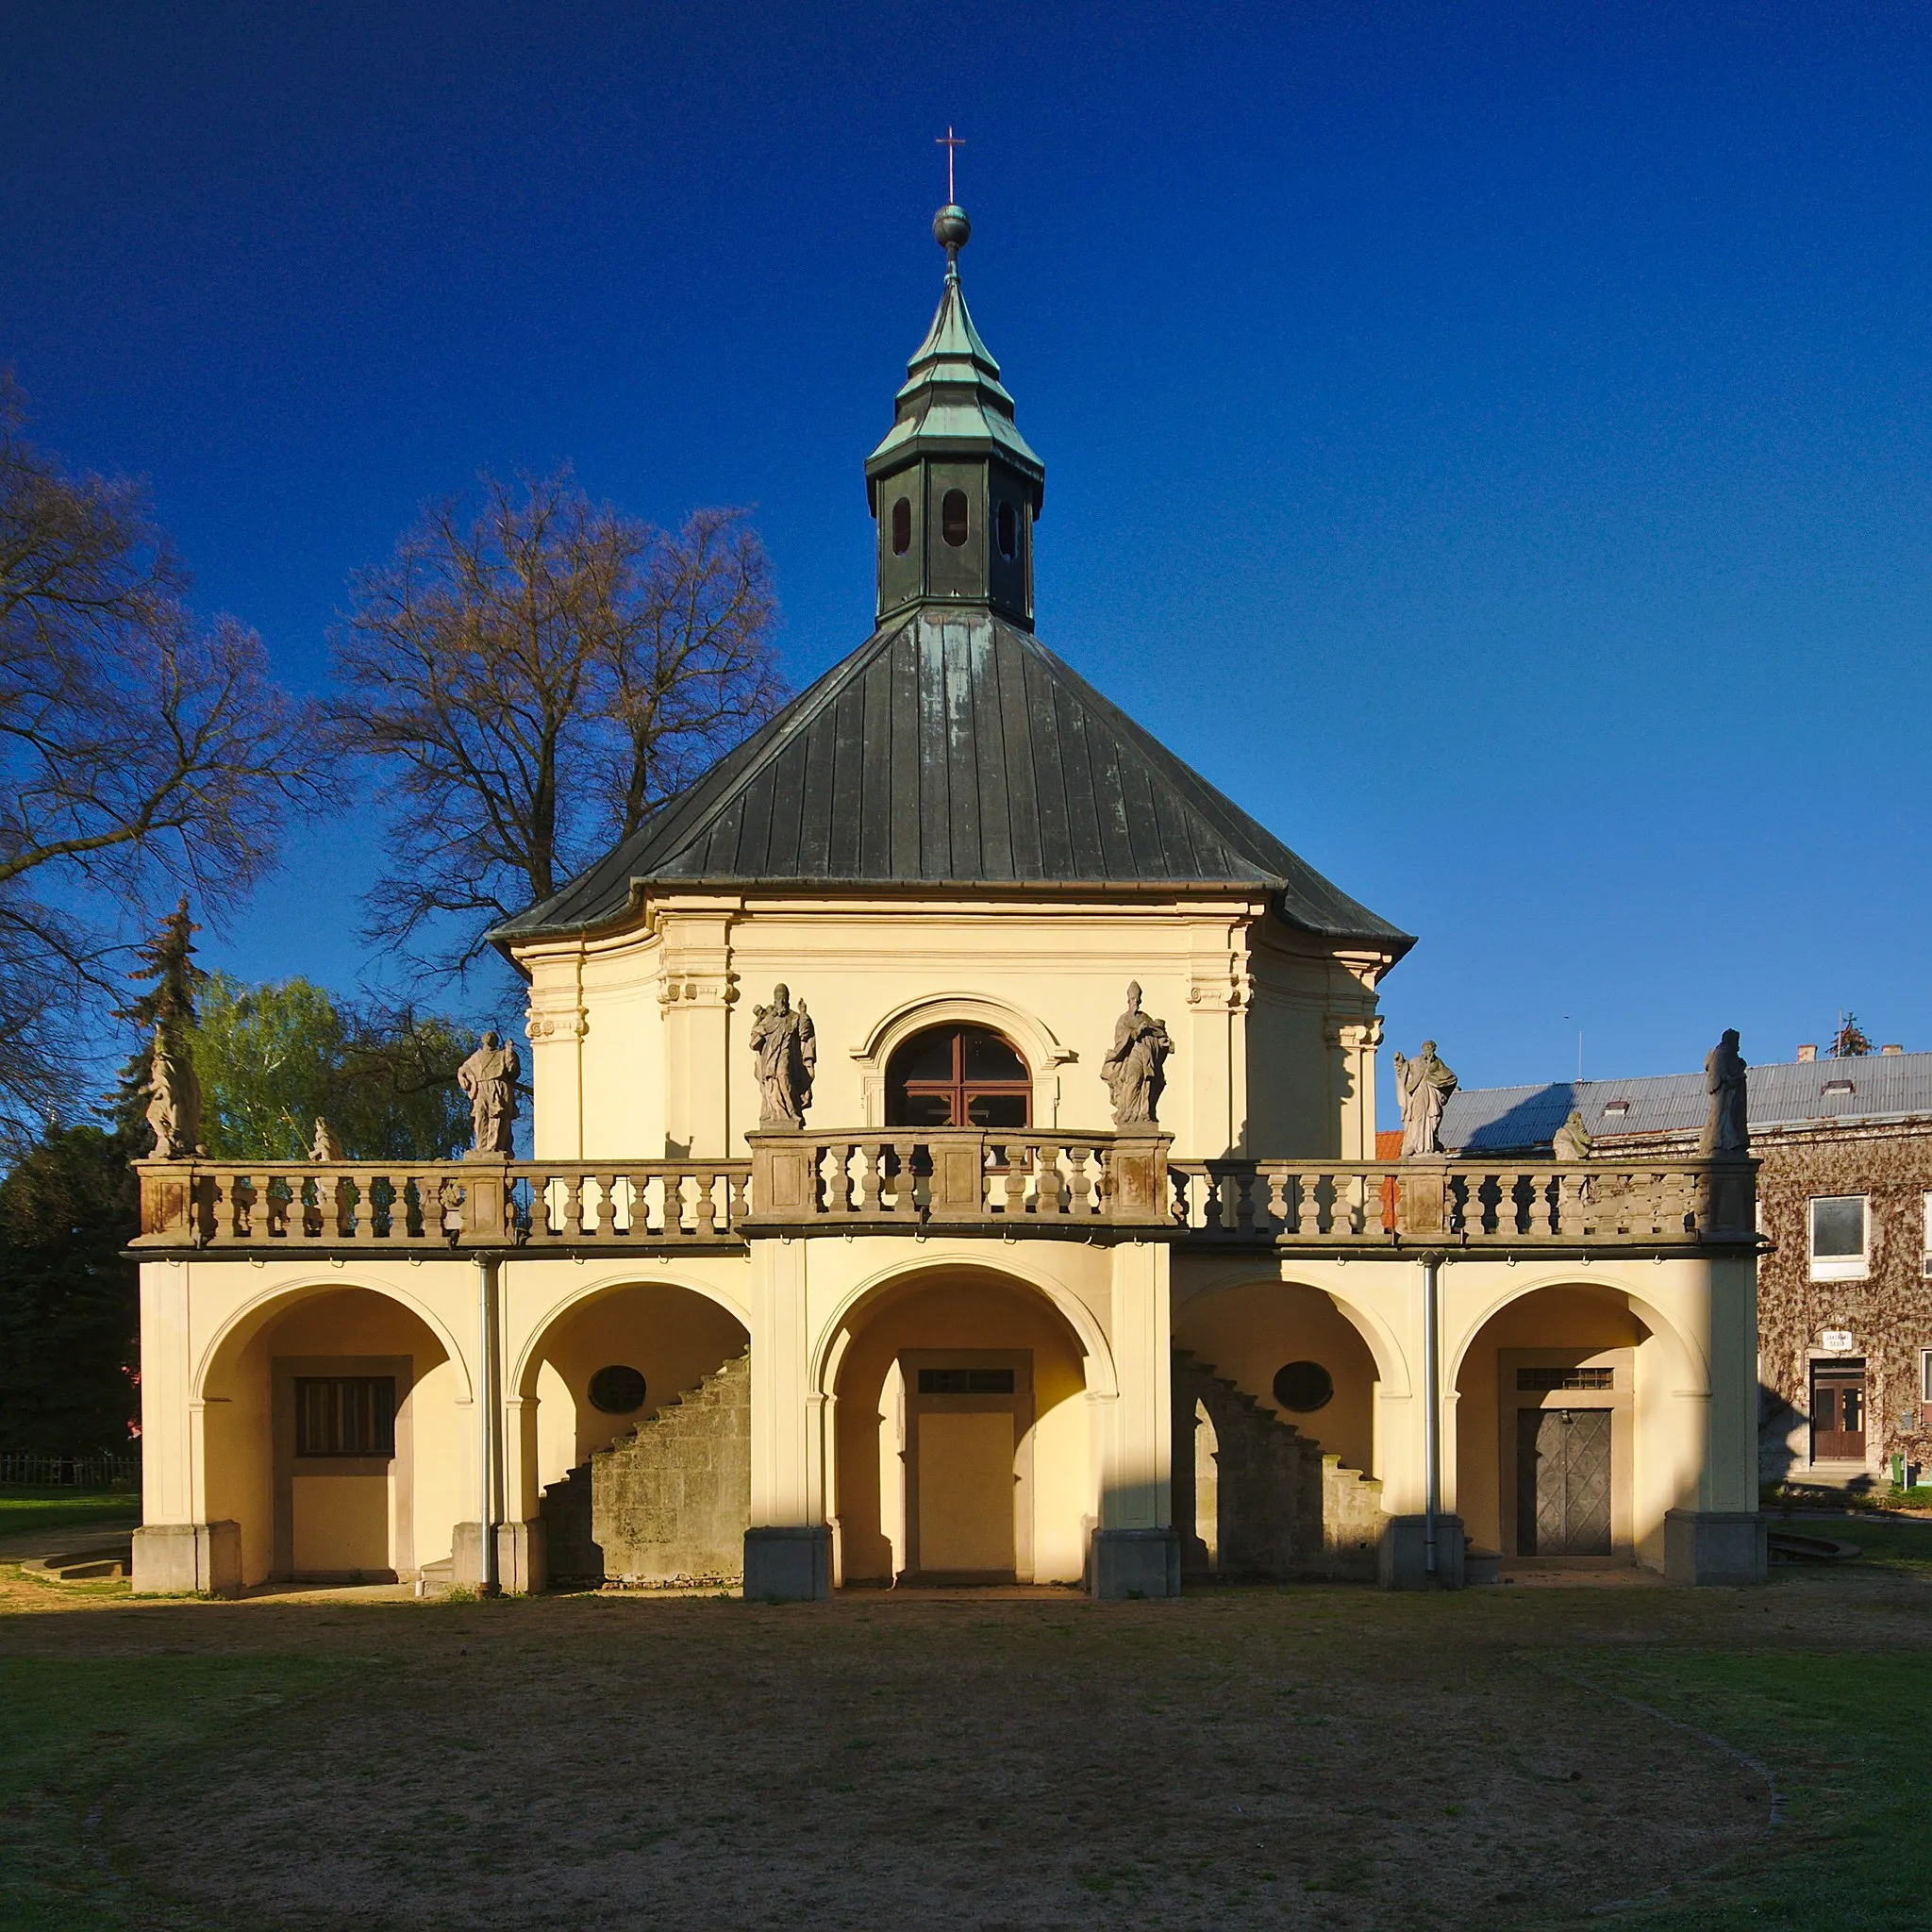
1331,1757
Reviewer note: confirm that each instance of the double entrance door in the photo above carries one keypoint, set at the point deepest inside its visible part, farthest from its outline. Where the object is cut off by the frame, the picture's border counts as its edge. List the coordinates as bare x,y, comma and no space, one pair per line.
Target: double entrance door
1837,1411
1563,1482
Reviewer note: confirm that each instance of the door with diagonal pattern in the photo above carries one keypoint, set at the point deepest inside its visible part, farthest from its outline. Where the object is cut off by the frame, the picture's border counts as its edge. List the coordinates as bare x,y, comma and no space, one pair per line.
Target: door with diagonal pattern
1563,1482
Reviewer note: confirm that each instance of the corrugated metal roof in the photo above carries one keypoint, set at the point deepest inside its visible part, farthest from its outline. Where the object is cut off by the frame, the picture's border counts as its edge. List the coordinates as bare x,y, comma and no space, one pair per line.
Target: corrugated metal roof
1781,1095
953,749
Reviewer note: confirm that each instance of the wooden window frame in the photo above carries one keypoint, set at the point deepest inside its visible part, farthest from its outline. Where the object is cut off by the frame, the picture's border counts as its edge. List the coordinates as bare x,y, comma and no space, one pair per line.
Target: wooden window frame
960,1092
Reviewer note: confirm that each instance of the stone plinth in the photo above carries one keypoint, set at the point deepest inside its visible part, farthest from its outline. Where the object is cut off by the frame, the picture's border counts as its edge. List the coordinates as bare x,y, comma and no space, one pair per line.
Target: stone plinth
1134,1562
176,1558
1402,1562
1704,1546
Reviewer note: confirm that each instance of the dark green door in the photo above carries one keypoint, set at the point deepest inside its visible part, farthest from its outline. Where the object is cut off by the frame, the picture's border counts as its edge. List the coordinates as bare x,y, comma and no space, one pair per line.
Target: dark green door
1563,1482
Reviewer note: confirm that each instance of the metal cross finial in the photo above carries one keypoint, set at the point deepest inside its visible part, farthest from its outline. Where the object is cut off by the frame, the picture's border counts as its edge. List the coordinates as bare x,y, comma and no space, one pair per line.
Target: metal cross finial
949,140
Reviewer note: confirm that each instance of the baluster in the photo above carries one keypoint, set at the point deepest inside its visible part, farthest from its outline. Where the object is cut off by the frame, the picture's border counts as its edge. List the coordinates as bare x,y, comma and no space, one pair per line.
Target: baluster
1079,1192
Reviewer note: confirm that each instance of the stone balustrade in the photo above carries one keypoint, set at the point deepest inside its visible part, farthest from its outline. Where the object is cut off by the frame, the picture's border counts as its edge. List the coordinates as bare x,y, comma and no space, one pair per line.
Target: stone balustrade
958,1179
1461,1203
477,1202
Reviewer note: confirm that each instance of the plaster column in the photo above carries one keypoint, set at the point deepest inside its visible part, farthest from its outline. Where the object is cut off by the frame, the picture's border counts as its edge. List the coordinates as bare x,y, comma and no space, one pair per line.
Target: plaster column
1722,1539
787,1547
175,1549
697,991
1404,1560
1135,1550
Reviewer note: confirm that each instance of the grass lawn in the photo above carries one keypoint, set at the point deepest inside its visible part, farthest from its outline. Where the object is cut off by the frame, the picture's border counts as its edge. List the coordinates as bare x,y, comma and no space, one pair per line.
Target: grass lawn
23,1509
1332,1758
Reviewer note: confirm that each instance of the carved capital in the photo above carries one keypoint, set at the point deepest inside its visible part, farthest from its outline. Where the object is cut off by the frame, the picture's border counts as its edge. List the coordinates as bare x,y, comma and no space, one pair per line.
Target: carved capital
1353,1036
696,989
570,1022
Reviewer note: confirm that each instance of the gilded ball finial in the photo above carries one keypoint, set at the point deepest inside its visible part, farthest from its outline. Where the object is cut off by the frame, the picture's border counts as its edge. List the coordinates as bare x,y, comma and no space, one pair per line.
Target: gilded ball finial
951,229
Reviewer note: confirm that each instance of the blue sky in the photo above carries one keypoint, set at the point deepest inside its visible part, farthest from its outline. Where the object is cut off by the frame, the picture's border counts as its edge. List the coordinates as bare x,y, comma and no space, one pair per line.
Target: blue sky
1491,443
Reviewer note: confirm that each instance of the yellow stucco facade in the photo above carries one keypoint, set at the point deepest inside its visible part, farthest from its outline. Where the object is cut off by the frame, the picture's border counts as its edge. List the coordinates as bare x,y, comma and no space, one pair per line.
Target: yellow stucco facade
962,1311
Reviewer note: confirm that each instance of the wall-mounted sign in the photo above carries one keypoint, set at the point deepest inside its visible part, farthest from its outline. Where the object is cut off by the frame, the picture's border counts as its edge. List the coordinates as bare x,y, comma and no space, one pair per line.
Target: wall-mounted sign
1838,1340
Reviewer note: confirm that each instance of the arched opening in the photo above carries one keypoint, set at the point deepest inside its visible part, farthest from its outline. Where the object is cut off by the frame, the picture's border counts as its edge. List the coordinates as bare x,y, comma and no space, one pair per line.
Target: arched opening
1007,531
961,1436
1547,1461
1275,1395
902,525
636,1419
333,1436
957,1076
953,518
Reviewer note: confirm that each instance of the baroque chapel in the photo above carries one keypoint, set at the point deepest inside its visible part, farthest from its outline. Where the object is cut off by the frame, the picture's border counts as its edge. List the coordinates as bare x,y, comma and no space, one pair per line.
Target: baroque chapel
954,1160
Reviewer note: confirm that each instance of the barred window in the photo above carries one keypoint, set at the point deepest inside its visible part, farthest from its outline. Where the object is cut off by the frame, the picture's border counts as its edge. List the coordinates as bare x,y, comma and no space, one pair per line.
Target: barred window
1531,1381
345,1415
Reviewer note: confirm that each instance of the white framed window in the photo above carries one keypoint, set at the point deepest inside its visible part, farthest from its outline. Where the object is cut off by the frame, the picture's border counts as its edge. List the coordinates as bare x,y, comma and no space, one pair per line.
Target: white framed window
1925,1375
1926,1265
1840,1229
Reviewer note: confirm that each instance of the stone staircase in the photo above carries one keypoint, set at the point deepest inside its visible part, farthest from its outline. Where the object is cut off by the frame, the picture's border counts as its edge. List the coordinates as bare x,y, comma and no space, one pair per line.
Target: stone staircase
669,1501
1281,1507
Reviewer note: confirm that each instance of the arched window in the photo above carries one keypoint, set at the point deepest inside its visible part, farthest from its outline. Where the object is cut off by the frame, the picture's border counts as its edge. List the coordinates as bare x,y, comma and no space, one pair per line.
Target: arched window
1007,526
953,517
902,526
957,1076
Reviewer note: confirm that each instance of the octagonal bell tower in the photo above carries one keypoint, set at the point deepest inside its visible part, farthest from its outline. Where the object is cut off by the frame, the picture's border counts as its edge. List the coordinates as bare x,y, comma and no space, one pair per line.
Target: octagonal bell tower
954,488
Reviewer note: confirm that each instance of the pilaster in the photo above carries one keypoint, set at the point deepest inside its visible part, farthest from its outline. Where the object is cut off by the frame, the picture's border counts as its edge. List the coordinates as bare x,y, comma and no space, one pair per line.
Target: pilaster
787,1547
697,990
555,1024
1215,1042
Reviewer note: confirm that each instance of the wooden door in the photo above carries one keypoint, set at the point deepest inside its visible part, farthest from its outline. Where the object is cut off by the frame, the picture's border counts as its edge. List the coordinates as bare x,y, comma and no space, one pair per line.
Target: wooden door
965,1497
1837,1411
1563,1482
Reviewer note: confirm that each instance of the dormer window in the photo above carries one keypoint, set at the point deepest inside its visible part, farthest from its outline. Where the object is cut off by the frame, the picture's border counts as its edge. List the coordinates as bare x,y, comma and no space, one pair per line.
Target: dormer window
1838,1086
953,518
902,526
1007,529
1616,1109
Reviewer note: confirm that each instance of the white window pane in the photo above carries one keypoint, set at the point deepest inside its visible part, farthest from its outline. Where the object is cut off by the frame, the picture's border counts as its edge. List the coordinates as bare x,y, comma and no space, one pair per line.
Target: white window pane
1837,1226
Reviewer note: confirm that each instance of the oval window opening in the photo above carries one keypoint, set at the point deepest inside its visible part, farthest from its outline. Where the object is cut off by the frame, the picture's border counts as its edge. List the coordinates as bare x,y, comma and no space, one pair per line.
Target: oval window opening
1009,527
953,517
902,527
617,1390
1301,1387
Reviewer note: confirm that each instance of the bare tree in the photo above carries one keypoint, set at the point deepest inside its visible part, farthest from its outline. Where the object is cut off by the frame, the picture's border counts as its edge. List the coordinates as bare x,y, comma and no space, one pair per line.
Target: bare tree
141,754
531,682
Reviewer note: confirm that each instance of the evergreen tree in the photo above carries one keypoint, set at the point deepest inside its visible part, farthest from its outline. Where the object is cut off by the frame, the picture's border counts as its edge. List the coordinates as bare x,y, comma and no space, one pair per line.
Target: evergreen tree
167,961
70,1304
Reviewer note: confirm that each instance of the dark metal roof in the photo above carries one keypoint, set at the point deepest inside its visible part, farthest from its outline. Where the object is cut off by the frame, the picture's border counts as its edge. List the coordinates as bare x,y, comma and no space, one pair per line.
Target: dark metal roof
952,749
1787,1093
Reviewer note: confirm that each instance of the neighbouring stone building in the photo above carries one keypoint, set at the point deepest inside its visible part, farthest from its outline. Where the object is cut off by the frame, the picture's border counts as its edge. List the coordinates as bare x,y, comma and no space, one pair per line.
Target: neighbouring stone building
877,1228
1845,1202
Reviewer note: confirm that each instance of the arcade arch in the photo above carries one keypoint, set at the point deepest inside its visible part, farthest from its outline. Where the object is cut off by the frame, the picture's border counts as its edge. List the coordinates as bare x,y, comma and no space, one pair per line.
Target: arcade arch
331,1434
961,1441
1577,1413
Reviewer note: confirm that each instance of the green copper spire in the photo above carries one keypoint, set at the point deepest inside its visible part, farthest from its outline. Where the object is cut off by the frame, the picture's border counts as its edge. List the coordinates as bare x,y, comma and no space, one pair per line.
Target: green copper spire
954,485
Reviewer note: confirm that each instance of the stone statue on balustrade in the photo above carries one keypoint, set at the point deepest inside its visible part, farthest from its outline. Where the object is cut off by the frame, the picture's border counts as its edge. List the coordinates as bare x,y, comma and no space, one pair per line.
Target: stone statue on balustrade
787,1046
1727,1125
173,1108
489,1079
1135,1071
326,1145
1423,1086
1571,1142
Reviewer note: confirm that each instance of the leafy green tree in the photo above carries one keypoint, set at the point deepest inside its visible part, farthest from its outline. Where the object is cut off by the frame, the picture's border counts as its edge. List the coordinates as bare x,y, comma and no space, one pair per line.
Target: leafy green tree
70,1305
273,1059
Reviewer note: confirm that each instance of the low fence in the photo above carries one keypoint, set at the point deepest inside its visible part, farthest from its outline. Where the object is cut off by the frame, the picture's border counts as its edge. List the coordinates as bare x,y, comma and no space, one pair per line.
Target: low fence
28,1471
